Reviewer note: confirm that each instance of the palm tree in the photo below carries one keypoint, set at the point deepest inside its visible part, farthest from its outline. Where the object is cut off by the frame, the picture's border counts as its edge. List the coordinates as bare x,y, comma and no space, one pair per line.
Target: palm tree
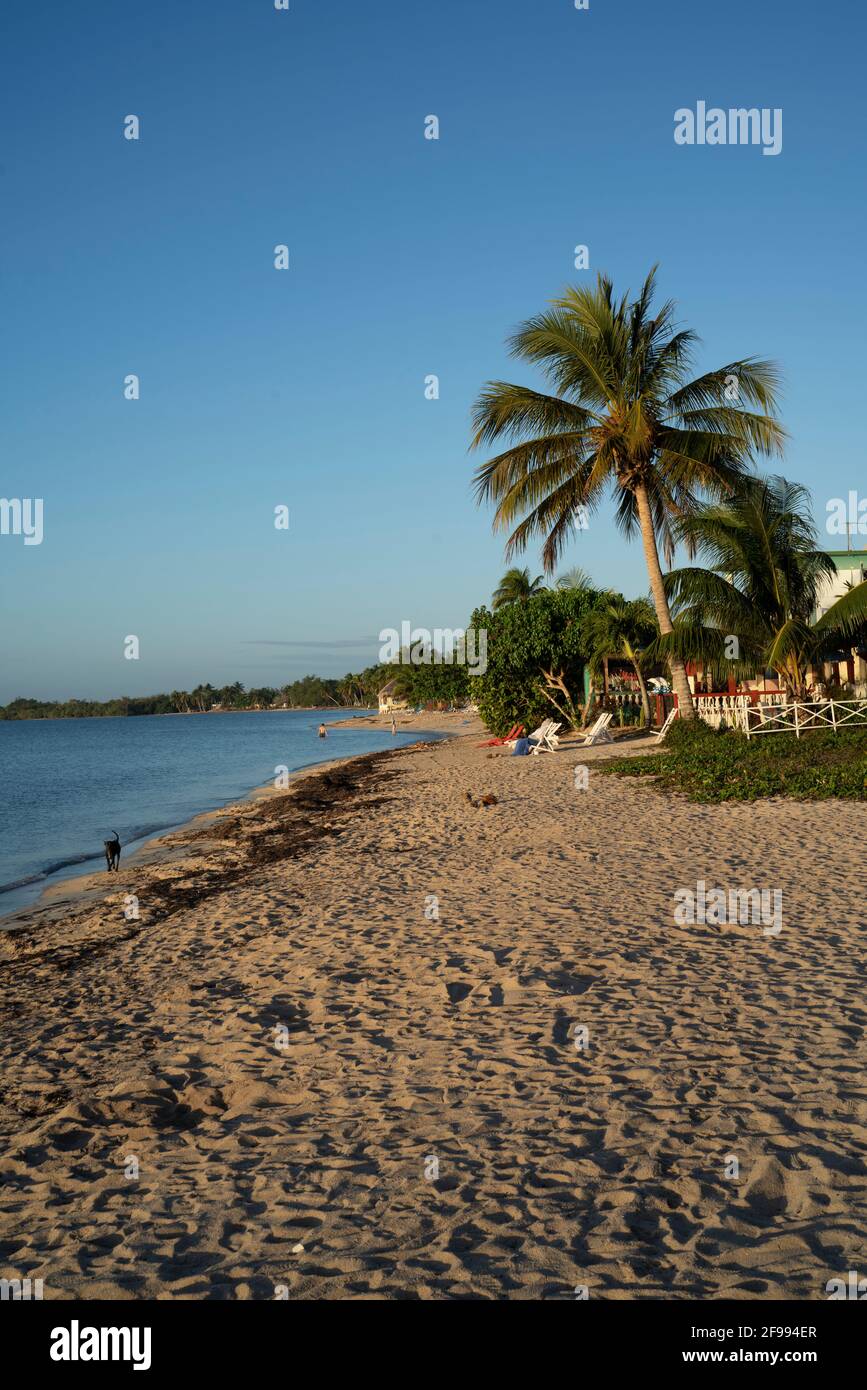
203,696
576,578
623,413
623,628
516,586
350,689
761,587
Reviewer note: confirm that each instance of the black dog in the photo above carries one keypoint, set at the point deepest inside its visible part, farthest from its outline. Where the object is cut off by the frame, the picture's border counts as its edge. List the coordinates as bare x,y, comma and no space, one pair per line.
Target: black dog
112,853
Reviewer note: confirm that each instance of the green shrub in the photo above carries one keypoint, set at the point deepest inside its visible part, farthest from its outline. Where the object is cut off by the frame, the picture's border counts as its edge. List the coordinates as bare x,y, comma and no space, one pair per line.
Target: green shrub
713,765
547,632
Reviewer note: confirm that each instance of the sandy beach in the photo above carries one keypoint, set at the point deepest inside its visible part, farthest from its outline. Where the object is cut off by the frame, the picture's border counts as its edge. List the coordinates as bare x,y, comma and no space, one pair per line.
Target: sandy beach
335,1055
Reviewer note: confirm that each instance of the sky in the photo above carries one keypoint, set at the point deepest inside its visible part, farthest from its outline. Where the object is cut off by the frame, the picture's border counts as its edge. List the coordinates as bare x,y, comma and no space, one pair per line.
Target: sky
408,257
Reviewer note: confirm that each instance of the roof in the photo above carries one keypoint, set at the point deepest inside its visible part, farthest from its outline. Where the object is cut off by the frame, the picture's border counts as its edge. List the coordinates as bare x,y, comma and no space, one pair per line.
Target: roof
852,558
388,688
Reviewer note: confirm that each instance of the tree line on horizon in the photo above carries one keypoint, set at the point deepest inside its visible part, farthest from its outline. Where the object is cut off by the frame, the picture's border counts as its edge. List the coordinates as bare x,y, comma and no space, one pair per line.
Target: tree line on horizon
309,692
419,685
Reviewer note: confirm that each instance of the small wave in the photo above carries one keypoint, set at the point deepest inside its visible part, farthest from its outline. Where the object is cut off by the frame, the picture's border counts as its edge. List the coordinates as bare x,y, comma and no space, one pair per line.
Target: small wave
21,882
46,871
143,832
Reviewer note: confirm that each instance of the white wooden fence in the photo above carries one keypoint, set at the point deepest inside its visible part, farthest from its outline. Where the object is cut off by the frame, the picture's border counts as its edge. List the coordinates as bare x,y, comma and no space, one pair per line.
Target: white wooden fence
802,716
775,714
723,709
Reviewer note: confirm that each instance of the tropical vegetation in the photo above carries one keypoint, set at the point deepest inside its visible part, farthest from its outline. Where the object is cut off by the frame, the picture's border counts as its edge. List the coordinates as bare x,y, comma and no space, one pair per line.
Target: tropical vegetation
426,684
625,629
713,765
624,413
516,586
751,608
306,693
536,653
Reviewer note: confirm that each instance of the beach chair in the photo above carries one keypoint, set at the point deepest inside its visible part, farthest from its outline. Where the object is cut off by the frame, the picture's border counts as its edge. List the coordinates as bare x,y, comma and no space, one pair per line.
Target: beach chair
537,733
669,720
514,733
599,733
548,741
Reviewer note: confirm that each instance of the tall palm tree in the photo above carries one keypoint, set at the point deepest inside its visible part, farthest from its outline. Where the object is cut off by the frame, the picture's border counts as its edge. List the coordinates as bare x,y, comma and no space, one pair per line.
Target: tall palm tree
624,413
761,587
516,586
624,629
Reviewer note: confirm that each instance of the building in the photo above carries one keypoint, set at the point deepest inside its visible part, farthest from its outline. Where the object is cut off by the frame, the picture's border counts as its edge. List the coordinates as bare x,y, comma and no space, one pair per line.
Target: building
851,567
847,667
389,700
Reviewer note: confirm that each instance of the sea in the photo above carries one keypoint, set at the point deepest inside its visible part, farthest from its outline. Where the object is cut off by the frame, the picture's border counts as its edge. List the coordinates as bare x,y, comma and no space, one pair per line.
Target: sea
66,785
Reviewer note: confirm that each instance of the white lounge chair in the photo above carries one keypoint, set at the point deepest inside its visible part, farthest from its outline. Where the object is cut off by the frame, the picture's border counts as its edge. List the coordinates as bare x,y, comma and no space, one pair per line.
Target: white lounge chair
536,734
546,742
669,720
599,733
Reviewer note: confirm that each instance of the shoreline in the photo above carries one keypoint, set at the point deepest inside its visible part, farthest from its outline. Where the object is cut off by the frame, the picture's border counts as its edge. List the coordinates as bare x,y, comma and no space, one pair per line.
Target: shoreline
171,713
78,889
333,986
69,890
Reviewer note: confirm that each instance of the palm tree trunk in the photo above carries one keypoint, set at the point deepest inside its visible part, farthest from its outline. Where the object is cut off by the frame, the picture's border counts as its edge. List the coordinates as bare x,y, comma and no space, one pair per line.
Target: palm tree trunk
679,681
645,698
605,679
591,695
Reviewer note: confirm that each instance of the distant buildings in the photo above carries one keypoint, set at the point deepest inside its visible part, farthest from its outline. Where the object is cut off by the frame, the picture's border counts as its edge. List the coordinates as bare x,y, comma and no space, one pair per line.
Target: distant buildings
848,667
851,566
388,698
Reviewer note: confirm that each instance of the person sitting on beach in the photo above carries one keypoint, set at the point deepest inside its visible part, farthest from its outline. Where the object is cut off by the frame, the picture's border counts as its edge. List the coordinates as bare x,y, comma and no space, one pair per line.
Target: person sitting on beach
323,732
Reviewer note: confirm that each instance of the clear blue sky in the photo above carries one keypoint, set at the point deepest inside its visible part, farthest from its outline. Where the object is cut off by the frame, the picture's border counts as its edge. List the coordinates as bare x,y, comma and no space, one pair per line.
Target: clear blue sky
408,257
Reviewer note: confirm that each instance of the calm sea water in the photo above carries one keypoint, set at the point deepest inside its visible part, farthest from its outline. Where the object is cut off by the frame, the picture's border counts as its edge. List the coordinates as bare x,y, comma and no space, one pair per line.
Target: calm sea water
66,784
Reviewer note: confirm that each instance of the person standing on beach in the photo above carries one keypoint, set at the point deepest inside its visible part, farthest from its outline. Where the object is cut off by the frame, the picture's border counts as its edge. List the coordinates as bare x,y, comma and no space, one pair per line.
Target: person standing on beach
323,732
393,725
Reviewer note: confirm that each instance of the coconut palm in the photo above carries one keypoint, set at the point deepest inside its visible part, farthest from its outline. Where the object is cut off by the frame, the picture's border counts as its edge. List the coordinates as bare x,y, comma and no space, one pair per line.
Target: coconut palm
623,629
753,607
623,413
576,578
516,586
350,688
